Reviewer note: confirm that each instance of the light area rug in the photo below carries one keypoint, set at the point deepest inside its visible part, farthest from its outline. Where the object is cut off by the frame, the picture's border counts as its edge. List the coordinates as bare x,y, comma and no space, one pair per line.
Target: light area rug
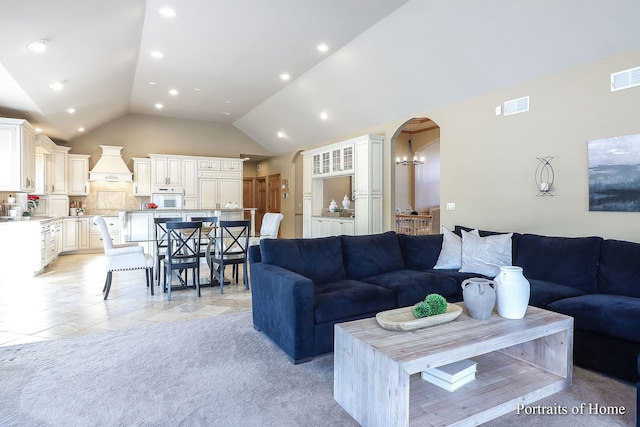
217,371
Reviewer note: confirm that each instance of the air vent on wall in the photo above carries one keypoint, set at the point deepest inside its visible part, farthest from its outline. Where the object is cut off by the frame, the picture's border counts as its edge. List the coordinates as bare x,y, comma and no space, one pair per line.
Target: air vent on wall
625,79
515,106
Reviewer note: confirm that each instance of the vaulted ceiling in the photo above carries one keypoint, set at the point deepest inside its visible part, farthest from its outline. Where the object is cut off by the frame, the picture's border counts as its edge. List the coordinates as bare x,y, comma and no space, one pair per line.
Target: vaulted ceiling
386,59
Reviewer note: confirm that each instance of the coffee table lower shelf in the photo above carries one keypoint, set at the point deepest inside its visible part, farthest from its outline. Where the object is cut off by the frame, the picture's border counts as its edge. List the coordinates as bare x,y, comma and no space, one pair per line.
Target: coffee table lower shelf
501,383
377,372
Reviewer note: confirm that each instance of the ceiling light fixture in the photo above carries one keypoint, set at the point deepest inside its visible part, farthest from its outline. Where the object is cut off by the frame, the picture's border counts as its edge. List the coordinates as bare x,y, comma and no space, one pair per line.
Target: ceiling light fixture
173,92
152,83
324,115
157,54
197,89
167,12
38,130
159,106
70,110
285,76
226,113
57,85
410,162
80,129
282,135
38,46
323,47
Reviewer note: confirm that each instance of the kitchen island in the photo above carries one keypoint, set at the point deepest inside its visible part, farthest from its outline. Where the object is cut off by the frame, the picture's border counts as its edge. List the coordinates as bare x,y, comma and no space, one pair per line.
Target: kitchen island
137,225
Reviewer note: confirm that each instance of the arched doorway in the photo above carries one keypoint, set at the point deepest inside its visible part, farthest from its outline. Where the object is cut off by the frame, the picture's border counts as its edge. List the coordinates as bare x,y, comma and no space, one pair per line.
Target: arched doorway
417,169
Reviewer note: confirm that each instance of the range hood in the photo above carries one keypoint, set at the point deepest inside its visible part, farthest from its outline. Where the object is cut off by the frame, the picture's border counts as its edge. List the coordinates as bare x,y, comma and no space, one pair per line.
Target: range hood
110,167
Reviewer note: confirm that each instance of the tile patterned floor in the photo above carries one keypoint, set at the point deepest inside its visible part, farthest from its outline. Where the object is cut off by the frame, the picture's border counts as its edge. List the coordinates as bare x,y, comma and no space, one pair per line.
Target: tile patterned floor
67,300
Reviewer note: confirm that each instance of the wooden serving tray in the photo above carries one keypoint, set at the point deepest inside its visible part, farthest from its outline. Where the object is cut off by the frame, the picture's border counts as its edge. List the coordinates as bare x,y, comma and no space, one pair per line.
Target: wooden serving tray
403,319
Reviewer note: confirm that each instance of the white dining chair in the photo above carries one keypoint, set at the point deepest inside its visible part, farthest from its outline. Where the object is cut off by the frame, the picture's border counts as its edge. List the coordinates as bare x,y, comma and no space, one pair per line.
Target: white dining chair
121,257
269,228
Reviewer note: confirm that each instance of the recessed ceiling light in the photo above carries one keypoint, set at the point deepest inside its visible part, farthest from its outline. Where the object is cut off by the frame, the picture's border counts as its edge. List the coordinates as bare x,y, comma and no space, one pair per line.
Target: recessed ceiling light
282,134
324,115
57,85
173,92
323,47
38,46
152,83
197,89
167,12
157,54
285,76
38,129
80,129
70,110
226,113
227,102
159,106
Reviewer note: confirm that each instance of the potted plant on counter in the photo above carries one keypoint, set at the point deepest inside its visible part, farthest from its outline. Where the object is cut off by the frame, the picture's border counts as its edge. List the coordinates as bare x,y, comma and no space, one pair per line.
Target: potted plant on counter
26,216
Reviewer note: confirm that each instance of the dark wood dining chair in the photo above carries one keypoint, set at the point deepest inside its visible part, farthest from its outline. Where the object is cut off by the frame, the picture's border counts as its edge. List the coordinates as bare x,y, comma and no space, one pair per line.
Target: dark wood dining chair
183,254
160,237
229,247
208,222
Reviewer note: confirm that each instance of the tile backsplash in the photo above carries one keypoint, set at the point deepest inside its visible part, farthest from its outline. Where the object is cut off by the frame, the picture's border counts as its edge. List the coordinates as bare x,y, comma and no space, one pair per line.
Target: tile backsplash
107,198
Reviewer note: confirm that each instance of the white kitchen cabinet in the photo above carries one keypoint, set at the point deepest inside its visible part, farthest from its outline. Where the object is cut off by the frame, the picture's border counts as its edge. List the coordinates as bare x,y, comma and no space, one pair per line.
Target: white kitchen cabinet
359,157
337,160
78,174
207,164
51,167
42,187
95,236
57,205
17,156
75,234
327,226
190,181
215,193
231,165
58,170
141,177
166,171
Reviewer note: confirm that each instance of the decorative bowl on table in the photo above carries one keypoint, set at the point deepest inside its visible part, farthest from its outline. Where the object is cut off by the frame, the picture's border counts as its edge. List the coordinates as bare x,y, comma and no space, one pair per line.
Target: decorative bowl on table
403,319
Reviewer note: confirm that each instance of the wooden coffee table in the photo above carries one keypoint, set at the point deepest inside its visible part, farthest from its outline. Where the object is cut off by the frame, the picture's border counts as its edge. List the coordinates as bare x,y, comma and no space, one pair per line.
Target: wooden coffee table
377,372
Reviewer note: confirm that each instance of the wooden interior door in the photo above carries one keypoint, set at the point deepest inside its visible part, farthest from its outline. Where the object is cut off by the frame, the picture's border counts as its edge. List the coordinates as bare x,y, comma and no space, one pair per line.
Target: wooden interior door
275,193
261,200
248,196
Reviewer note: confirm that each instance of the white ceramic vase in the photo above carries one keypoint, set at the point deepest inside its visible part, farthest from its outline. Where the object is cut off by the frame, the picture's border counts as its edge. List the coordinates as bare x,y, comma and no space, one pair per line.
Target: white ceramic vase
346,202
332,206
512,292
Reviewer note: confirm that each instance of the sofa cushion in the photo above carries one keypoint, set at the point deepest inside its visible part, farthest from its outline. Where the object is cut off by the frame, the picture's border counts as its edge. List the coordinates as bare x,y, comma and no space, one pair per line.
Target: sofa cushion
350,298
570,261
544,293
611,315
411,287
483,233
451,253
318,259
372,254
420,252
619,268
485,255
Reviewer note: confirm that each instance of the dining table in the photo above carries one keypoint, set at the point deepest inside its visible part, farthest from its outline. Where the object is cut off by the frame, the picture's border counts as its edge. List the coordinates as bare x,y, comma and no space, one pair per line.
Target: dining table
205,235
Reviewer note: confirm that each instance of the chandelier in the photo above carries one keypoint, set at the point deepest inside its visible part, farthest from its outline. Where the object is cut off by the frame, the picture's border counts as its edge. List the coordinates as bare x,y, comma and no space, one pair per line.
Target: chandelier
410,162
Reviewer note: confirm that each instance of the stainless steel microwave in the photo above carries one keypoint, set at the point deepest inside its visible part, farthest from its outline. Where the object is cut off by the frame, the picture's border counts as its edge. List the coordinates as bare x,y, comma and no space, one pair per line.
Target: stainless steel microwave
169,199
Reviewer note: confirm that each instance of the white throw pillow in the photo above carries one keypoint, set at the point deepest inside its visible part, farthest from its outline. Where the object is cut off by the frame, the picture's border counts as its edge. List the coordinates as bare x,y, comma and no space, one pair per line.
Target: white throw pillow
450,257
485,255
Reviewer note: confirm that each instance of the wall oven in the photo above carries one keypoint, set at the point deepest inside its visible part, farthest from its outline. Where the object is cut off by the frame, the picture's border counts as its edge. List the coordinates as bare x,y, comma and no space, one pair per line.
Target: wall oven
170,198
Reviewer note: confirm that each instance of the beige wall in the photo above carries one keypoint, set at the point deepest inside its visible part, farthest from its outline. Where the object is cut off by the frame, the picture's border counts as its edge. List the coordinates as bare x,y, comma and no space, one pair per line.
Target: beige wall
142,134
285,165
488,162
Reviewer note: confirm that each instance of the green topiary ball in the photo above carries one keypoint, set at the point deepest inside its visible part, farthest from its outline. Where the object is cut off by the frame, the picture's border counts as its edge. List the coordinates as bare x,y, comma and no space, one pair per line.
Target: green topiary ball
421,309
437,304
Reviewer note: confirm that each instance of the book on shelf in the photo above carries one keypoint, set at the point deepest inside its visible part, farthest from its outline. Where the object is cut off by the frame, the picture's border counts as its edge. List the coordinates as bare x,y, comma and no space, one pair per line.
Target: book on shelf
453,371
449,386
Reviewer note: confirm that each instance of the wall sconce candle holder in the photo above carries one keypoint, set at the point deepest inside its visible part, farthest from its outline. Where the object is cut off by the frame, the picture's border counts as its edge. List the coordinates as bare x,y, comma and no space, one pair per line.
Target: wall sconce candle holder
544,176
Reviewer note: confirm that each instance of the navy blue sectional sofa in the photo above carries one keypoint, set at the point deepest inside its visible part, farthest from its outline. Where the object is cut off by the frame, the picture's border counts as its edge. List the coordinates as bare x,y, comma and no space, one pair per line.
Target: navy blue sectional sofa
302,287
